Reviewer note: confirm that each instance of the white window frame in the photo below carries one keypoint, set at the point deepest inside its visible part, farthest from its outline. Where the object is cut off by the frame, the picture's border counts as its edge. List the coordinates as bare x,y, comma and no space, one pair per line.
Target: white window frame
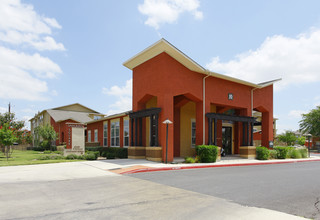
193,120
96,138
89,136
114,135
124,130
105,134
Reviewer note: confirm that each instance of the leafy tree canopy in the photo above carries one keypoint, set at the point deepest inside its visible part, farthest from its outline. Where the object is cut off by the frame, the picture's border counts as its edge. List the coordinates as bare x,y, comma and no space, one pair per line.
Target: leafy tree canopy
288,137
310,122
11,120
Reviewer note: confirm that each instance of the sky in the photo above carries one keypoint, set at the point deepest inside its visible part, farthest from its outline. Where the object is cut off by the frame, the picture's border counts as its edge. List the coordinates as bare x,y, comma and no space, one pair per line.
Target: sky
57,52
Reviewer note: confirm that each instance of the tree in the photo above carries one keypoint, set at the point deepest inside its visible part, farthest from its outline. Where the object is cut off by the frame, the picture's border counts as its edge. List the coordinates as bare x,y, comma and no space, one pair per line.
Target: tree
310,122
301,140
13,123
288,137
7,138
47,134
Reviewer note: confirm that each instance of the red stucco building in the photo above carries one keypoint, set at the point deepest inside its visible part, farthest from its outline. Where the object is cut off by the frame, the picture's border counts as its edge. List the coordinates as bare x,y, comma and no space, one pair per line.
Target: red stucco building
205,107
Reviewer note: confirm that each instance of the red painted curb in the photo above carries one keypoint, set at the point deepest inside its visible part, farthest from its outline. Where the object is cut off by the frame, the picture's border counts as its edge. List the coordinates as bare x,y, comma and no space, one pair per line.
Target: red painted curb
213,165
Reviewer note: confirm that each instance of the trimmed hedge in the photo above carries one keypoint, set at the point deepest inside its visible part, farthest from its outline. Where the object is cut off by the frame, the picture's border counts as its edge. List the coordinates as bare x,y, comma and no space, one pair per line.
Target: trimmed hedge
207,153
110,152
262,153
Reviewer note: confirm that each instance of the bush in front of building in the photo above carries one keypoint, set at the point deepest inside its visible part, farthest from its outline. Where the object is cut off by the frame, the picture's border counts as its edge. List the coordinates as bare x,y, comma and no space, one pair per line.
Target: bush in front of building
189,160
282,152
207,153
262,153
110,152
303,152
272,154
91,155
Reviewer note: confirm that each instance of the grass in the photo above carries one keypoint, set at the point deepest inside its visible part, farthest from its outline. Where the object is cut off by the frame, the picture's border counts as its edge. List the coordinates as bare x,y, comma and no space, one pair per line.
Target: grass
28,157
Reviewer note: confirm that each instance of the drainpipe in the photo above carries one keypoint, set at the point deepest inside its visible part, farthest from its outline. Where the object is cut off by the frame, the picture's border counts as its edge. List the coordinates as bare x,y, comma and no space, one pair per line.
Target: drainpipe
204,106
252,101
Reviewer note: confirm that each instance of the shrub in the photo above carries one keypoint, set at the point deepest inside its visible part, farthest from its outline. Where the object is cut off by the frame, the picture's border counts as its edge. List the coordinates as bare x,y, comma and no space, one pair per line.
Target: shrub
189,160
303,152
281,152
295,153
58,152
207,153
262,153
47,152
110,152
44,157
38,149
51,157
272,154
72,157
94,149
93,155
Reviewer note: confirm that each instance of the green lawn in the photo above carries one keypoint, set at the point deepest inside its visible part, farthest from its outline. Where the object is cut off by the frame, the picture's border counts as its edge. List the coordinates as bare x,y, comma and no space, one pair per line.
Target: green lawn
28,157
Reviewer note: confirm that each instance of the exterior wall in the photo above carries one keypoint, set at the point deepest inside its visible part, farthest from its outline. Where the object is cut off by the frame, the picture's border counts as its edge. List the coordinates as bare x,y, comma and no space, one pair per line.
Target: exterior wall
40,119
62,129
91,127
263,102
165,78
99,125
188,112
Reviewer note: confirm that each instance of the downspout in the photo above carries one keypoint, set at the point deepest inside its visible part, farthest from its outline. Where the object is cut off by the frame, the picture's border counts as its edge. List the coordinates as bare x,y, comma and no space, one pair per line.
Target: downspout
204,106
252,101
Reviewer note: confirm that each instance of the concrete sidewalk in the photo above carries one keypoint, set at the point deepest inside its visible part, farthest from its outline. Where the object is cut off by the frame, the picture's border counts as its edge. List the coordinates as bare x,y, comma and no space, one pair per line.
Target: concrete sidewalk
88,169
136,166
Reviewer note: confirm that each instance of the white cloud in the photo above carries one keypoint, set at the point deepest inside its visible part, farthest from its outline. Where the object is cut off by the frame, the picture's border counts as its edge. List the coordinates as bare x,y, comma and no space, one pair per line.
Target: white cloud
168,11
124,96
23,75
20,24
119,91
28,110
295,60
3,110
296,113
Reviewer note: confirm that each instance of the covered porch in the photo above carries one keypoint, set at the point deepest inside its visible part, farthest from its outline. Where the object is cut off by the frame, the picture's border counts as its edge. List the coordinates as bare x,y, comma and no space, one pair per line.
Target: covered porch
242,139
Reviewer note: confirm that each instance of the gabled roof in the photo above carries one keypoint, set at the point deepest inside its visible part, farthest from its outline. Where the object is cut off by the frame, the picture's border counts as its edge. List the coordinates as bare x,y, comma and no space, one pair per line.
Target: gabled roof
60,115
164,46
75,107
76,112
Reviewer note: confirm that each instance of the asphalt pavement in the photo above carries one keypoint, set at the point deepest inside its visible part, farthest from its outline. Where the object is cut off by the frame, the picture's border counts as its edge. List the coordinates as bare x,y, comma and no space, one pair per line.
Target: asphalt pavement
89,190
291,188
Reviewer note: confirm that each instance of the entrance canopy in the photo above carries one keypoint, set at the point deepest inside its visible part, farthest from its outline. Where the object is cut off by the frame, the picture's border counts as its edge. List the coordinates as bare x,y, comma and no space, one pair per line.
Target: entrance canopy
246,121
136,119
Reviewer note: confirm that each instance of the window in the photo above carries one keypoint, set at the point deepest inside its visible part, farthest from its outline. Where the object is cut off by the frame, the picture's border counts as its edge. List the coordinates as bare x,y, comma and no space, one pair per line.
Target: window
126,132
95,135
105,134
193,132
96,117
115,130
89,136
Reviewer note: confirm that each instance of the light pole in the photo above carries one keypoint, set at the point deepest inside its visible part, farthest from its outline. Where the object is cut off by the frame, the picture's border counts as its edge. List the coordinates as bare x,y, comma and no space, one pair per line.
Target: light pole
309,137
167,122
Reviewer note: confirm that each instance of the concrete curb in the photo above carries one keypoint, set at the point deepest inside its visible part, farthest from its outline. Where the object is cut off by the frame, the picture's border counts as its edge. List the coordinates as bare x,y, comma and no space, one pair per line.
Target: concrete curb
144,170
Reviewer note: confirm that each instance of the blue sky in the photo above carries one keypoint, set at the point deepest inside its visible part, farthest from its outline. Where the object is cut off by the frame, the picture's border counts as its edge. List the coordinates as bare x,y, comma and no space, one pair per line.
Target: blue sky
54,53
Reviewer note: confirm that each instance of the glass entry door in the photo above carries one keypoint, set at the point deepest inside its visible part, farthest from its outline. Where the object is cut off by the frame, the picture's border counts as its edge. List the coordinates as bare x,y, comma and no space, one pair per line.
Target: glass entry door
227,140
